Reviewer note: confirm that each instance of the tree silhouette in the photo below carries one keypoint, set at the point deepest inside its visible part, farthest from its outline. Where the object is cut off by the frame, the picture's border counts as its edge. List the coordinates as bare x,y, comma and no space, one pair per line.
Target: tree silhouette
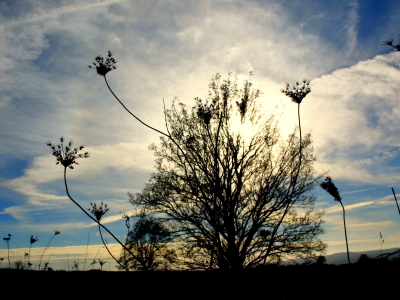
228,183
149,240
321,260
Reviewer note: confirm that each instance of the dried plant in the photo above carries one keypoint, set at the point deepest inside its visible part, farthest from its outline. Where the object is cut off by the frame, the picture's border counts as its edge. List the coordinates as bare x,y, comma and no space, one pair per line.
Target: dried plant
390,42
7,240
330,187
128,226
32,240
99,212
297,92
103,67
101,262
67,157
40,262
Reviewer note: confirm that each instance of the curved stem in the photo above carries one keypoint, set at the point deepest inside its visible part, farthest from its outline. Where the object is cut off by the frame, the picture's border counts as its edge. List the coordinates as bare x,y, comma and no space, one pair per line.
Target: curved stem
40,262
132,113
166,135
105,228
101,235
345,233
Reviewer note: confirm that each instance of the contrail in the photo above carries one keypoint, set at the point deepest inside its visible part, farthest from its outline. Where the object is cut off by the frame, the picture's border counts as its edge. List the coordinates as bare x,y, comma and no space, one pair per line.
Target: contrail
59,11
358,191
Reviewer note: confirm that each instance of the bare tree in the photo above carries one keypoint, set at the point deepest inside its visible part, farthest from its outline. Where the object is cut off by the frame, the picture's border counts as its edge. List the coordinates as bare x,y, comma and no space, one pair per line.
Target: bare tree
237,193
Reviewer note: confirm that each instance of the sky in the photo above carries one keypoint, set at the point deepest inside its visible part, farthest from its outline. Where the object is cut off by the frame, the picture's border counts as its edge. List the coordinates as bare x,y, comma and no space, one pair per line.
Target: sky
168,49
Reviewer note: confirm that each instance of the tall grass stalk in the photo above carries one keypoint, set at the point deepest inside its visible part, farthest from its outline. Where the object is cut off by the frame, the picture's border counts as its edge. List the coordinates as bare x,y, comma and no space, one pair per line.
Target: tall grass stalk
32,241
55,233
330,187
7,240
87,246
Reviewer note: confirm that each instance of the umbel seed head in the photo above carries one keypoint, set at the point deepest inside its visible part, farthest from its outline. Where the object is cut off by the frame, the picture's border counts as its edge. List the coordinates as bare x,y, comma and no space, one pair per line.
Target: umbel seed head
98,211
66,156
297,92
103,67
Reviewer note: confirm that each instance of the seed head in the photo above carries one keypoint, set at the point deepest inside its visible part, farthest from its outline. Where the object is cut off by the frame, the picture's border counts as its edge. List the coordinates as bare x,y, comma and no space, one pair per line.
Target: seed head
330,187
66,156
102,67
33,240
297,92
100,211
102,262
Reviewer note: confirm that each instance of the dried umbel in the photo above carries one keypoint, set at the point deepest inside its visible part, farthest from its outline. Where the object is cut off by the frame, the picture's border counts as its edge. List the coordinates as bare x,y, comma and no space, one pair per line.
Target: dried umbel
330,187
33,240
100,211
7,239
66,156
297,92
103,67
389,42
102,262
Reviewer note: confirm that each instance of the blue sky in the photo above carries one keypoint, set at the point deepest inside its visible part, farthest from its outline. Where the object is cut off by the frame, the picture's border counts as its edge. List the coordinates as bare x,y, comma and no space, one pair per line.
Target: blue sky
173,48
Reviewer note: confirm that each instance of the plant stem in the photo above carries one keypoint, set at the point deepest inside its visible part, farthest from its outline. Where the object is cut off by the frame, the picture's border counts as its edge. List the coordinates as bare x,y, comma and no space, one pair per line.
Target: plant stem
105,228
132,113
345,233
40,262
105,245
87,246
8,254
29,257
396,200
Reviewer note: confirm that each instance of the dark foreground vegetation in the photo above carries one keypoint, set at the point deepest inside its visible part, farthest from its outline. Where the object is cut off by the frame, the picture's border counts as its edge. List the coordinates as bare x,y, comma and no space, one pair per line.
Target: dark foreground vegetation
315,281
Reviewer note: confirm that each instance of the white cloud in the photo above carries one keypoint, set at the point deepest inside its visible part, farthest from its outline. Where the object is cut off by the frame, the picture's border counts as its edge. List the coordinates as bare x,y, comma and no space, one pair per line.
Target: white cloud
191,34
354,119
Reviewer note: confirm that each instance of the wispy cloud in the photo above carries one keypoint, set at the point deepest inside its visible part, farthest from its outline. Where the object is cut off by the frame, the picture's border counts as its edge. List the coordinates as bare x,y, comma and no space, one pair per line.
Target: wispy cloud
338,208
40,12
351,27
358,191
